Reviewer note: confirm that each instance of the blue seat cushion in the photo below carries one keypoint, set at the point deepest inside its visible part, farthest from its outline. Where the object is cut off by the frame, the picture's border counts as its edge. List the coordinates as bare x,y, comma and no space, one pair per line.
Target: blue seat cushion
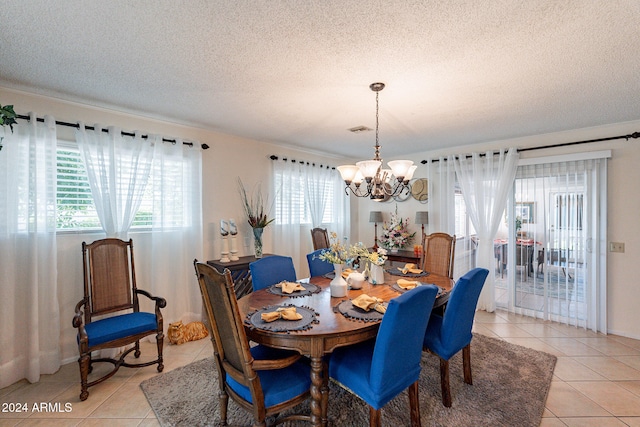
278,385
124,325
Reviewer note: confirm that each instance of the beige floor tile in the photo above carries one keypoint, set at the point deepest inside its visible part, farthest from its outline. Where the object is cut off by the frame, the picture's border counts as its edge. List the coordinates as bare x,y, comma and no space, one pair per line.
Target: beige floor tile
572,331
609,347
507,330
536,344
110,422
633,361
609,367
552,422
632,386
571,347
626,341
615,399
540,330
129,400
593,422
631,421
44,422
568,369
566,401
98,394
480,328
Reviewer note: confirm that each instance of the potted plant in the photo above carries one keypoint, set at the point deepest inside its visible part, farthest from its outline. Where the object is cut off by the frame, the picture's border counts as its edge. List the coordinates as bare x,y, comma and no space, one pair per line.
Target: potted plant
7,117
257,215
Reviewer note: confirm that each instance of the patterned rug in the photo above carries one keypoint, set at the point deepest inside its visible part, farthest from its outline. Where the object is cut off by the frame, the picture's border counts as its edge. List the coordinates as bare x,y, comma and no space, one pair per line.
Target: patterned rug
510,386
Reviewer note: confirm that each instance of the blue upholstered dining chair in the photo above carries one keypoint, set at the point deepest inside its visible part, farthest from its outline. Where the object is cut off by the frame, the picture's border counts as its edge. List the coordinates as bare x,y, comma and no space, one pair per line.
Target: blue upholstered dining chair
262,380
378,370
270,270
318,267
447,335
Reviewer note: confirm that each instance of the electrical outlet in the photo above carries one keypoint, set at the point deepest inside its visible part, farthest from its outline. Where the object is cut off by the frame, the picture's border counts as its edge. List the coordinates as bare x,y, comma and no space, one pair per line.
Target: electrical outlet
616,247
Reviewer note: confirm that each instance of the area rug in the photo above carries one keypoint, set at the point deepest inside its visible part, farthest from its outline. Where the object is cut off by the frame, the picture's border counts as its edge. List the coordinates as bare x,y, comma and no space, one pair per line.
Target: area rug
510,386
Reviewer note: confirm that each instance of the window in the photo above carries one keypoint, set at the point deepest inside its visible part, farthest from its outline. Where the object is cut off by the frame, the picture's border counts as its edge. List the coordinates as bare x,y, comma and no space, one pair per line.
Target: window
296,200
75,209
569,211
464,227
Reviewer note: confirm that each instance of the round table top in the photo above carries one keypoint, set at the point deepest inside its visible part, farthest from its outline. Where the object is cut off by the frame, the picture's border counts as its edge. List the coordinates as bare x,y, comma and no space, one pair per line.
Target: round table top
333,328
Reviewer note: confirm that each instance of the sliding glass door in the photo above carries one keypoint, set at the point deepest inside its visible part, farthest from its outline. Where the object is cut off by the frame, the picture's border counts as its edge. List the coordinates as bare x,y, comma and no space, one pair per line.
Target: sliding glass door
550,252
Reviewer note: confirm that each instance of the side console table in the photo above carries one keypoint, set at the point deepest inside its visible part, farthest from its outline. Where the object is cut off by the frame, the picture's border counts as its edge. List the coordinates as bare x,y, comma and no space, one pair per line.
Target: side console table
239,272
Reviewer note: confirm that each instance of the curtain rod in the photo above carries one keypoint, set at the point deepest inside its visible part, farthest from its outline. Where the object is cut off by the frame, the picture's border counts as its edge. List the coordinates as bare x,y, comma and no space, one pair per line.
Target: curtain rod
77,126
302,162
564,144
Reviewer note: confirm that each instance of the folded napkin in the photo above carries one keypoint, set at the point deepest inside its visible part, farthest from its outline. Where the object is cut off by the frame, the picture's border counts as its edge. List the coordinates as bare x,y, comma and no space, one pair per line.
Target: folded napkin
367,303
346,272
286,313
407,267
290,287
407,284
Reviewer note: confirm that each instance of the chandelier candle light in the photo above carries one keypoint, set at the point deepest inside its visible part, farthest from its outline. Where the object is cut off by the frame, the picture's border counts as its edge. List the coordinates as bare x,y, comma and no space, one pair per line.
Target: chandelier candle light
380,183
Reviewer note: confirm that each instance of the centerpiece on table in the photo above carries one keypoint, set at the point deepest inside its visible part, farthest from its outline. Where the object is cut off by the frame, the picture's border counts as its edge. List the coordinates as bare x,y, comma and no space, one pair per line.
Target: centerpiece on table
339,254
395,234
257,216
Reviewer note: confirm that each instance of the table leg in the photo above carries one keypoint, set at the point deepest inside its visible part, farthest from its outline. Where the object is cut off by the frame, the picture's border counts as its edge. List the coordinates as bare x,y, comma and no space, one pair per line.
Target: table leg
317,392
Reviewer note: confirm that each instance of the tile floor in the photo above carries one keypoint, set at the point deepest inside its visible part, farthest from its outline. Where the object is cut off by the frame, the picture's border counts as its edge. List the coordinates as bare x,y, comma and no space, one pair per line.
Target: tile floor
596,380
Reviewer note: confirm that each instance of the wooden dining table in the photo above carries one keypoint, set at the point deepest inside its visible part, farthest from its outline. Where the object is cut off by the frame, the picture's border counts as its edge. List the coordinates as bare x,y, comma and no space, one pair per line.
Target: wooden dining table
332,330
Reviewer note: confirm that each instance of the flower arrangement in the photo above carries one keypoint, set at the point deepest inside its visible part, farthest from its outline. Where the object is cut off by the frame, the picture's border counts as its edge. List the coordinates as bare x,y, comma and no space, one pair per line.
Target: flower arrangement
257,217
395,234
379,257
337,253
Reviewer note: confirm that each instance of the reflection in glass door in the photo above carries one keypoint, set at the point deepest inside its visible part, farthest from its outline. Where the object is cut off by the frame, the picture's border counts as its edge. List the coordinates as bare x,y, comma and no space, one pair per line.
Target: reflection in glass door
549,249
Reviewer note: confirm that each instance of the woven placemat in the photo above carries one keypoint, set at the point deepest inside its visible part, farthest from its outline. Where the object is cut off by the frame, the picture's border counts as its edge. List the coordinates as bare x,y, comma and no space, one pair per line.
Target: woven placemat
397,288
309,288
397,272
352,312
309,317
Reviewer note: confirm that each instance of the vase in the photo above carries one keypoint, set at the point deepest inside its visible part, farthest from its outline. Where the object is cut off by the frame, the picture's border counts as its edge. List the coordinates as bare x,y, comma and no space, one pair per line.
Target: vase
394,250
257,241
338,285
376,275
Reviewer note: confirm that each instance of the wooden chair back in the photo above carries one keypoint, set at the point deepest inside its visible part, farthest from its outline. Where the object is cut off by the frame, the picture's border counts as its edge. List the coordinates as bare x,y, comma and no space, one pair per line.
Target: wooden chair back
231,346
320,238
239,365
109,277
439,253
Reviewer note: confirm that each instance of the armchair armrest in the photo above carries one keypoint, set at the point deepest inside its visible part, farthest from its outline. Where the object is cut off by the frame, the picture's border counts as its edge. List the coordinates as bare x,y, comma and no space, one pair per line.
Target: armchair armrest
160,302
78,322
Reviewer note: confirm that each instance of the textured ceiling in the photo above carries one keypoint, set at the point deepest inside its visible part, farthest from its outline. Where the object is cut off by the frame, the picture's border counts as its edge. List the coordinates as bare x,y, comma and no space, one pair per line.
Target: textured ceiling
298,72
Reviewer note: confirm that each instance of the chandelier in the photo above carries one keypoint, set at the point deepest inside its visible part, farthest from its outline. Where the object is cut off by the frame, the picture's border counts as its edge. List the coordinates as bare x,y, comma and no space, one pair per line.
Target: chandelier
379,183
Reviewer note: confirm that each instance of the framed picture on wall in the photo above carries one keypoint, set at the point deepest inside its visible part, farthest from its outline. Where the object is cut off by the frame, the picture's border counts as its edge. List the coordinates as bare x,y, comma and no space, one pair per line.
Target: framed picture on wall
525,210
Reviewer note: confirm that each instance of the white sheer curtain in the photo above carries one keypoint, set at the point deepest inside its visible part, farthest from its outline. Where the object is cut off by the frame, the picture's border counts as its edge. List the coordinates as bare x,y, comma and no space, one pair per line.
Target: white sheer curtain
289,190
291,230
118,169
442,179
29,312
486,182
176,235
317,180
